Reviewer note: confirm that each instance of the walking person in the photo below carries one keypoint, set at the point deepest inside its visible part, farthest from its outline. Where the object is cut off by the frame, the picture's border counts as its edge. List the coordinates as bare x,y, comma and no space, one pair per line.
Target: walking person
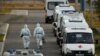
39,35
25,34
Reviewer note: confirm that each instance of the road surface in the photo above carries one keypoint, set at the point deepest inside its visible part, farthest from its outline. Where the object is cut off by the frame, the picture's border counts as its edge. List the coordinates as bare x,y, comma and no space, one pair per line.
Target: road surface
13,40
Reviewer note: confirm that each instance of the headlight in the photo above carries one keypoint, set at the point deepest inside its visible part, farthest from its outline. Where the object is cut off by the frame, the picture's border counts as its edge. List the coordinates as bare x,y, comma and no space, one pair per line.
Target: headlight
90,51
68,50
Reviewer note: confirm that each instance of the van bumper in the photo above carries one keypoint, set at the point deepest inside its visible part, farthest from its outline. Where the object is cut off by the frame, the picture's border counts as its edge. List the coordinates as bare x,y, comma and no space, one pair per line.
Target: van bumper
70,54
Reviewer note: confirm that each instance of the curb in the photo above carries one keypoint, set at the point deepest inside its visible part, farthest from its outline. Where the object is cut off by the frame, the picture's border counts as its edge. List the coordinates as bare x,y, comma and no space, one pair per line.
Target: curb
3,43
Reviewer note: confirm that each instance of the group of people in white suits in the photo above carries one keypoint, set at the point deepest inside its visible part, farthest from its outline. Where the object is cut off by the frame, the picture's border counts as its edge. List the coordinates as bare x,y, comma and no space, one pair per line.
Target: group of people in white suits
38,34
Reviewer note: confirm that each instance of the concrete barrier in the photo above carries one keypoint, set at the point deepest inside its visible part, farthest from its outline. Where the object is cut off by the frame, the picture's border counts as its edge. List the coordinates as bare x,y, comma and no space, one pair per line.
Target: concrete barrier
19,12
2,44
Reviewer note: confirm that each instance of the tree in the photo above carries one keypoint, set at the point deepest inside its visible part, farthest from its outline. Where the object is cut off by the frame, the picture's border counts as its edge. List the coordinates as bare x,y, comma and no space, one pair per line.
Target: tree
97,6
88,1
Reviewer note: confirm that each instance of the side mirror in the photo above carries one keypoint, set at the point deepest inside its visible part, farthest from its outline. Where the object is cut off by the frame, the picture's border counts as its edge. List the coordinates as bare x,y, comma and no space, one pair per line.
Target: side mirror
96,41
54,24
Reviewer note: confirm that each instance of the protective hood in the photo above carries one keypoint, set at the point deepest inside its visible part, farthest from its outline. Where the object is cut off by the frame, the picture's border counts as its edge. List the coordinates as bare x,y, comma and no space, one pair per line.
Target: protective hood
25,26
38,31
25,30
38,25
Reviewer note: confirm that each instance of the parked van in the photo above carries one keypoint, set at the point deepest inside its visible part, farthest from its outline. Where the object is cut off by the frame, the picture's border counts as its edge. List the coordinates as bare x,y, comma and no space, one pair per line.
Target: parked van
77,42
71,20
58,13
49,8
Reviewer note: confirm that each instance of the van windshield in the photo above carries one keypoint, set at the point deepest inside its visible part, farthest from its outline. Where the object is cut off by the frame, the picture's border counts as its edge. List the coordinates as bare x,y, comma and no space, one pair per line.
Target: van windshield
79,38
51,5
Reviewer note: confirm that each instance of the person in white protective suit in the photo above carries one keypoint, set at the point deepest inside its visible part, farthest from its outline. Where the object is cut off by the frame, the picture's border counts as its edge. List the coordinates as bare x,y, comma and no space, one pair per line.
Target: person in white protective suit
25,34
39,35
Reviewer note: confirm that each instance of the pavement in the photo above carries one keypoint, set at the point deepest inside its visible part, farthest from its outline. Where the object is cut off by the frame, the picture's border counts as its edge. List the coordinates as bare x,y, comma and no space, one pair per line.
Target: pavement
5,17
14,41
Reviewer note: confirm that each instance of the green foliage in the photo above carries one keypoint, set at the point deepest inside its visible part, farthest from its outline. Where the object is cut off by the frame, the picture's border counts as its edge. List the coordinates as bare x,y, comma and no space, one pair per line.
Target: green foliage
97,46
97,6
97,49
5,10
89,1
1,37
96,33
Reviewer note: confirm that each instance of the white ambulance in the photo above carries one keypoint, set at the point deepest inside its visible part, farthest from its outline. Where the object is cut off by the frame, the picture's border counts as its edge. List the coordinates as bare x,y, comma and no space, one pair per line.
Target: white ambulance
71,19
77,42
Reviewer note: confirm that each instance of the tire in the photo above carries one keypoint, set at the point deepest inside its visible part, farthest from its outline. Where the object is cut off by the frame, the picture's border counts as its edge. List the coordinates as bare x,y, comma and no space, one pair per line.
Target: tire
54,33
60,45
46,20
51,19
57,41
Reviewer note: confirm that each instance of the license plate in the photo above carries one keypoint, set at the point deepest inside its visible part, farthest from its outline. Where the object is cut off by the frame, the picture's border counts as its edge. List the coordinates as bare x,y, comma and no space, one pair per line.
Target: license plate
79,54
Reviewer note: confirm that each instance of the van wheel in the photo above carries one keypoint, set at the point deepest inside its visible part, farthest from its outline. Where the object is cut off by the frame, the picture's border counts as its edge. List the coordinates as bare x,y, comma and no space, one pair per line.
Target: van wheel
46,20
54,33
57,41
60,45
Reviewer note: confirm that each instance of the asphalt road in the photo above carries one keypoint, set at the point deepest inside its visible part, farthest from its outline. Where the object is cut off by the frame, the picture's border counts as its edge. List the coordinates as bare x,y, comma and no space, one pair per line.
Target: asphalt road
13,40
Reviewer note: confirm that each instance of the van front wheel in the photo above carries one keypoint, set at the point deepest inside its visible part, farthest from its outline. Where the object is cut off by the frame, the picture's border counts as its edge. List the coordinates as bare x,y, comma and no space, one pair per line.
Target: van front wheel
46,20
57,41
54,31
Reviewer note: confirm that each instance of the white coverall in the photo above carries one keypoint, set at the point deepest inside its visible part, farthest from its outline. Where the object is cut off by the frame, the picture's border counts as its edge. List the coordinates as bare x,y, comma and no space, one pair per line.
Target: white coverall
39,35
26,36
